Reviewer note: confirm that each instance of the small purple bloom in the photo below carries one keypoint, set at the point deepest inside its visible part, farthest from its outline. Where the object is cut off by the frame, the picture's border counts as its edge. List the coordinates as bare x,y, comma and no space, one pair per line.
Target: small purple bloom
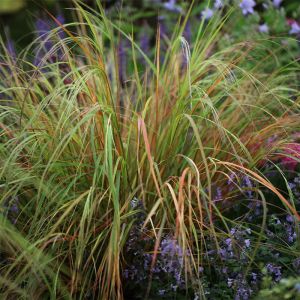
275,271
171,6
11,48
277,3
291,234
247,183
243,293
188,31
289,218
207,13
222,252
277,221
60,19
218,4
218,196
126,273
295,28
254,276
161,292
122,59
232,231
296,265
264,28
228,242
247,6
247,243
43,28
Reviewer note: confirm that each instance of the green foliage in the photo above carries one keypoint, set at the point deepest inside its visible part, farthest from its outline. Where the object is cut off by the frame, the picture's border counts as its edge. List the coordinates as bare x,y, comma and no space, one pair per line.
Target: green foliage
78,144
8,6
287,288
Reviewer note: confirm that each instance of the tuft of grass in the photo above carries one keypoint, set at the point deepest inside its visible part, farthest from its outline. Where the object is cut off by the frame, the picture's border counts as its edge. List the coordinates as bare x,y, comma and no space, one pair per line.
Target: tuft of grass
77,145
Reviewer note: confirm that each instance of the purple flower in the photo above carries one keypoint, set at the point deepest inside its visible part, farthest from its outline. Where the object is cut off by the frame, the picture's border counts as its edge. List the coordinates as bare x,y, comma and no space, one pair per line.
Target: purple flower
43,29
126,273
42,26
243,292
144,44
247,243
254,276
218,196
275,271
61,20
228,242
247,6
277,3
218,4
171,6
289,218
161,292
122,59
188,31
295,28
263,28
291,234
207,13
223,253
277,221
11,49
247,183
296,265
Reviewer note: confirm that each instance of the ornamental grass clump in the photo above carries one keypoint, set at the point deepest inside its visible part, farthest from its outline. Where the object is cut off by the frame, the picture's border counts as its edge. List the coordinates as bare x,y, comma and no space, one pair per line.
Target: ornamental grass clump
110,168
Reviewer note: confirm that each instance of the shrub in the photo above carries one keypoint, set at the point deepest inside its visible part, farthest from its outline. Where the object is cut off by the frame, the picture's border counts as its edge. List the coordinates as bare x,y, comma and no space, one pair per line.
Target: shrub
98,151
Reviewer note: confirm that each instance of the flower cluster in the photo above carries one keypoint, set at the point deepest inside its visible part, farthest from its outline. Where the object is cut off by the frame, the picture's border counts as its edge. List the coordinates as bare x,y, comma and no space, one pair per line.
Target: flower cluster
239,240
169,263
274,271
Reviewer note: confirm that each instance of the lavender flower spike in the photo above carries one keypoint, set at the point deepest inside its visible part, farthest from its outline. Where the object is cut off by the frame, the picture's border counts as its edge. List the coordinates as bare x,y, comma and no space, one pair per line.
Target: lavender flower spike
207,13
11,48
247,6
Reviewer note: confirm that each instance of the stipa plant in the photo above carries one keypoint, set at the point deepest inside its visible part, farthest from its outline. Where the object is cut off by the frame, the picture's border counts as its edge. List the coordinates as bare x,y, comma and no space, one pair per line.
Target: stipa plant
186,136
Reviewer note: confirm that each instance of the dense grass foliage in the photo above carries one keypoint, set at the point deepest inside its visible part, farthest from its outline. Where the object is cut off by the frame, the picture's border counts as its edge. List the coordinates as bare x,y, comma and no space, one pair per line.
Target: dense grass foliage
90,161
